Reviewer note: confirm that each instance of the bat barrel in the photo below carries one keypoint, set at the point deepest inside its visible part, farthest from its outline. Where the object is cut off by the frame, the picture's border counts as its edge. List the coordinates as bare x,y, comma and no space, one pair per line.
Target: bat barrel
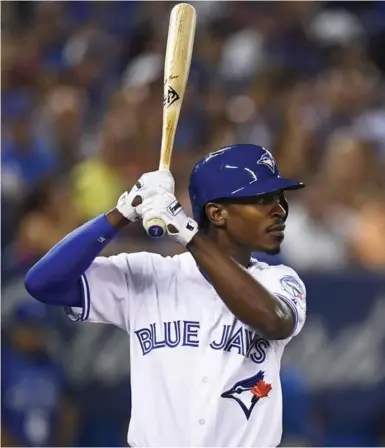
180,42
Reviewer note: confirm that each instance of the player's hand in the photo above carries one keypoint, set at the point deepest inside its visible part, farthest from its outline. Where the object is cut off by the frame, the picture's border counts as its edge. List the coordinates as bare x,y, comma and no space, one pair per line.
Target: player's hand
166,207
149,185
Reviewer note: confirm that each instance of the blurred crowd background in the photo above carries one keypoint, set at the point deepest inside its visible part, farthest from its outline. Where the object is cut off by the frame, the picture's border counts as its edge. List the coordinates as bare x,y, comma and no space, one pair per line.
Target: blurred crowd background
81,110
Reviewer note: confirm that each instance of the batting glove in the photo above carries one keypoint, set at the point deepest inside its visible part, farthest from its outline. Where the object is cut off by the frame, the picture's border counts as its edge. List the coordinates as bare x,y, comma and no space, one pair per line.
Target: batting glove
166,207
149,185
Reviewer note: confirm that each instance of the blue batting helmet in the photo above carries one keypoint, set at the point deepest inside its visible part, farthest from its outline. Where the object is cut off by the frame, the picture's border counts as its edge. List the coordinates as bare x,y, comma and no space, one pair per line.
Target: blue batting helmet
236,171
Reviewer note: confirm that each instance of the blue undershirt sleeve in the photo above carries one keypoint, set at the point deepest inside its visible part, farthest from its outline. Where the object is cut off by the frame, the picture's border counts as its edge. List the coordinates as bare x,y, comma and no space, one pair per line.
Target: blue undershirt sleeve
56,278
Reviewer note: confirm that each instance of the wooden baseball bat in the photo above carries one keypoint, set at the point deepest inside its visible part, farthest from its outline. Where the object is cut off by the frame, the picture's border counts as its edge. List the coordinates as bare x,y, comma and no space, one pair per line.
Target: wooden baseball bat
180,42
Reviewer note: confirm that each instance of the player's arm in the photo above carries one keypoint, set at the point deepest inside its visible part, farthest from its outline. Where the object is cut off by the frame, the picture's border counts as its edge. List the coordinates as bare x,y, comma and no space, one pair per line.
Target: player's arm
248,299
57,277
245,297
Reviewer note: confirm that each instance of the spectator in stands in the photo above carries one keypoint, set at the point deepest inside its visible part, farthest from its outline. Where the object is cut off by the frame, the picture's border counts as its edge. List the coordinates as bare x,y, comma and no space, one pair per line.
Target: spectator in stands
48,214
26,158
36,408
98,180
325,219
367,241
63,120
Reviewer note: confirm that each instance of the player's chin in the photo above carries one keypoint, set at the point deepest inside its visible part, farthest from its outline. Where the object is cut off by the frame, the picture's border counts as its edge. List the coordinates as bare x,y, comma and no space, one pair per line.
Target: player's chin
272,245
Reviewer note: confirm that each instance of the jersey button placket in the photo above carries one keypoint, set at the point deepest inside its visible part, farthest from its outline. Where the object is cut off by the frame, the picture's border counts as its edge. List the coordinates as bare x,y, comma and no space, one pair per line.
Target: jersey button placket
209,316
202,421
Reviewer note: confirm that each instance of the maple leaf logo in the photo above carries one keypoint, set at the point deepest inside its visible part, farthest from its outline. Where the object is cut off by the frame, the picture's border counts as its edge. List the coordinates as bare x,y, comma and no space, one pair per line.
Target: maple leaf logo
261,389
248,392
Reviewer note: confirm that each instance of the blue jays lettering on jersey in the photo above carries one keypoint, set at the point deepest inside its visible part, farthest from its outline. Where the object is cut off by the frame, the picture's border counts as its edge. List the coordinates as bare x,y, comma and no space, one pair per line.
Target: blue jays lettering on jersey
190,356
243,341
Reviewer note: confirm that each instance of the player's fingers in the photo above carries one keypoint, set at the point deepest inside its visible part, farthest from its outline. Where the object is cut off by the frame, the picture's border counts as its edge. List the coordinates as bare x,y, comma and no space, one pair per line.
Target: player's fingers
161,198
159,179
149,206
144,195
144,210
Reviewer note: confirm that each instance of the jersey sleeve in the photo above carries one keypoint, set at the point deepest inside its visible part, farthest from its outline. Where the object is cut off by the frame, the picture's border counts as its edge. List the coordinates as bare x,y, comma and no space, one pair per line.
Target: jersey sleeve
107,287
287,286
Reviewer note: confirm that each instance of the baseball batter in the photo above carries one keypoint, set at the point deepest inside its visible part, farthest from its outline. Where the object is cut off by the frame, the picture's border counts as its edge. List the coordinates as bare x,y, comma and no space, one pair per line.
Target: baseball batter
208,327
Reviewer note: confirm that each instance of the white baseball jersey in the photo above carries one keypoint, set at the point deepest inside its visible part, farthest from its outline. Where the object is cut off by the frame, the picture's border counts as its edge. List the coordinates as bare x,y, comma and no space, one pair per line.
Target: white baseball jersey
199,376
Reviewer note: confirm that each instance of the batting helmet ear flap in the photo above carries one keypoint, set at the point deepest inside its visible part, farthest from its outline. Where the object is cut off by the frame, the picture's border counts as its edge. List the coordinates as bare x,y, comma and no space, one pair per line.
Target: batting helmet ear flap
284,203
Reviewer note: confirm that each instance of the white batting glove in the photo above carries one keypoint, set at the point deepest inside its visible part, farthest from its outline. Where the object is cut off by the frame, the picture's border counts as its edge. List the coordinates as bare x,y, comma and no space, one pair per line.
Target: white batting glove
166,207
150,184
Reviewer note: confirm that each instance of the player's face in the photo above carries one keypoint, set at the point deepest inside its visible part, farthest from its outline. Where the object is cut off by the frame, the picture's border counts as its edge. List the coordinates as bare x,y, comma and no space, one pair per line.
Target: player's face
257,223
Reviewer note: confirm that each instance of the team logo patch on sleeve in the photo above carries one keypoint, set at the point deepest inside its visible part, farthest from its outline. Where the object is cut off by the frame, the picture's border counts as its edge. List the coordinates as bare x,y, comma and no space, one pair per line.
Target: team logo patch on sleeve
294,289
248,392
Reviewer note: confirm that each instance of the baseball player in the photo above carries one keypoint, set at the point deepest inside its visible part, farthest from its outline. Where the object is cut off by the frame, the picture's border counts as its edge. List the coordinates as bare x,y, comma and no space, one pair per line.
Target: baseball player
207,327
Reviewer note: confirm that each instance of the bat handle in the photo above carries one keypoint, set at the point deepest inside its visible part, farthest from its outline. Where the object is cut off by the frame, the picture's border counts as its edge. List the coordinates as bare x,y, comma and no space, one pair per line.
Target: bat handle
155,228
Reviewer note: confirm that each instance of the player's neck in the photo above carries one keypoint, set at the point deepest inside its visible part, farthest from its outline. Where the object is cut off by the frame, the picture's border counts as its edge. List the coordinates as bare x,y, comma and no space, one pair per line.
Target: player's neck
240,254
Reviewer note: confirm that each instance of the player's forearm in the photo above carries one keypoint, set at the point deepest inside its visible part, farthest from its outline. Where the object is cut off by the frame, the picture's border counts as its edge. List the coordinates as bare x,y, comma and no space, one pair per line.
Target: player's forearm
58,272
244,296
116,219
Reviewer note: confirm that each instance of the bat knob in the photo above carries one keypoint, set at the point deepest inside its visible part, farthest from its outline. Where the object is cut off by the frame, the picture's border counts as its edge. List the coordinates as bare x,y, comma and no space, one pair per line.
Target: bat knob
155,228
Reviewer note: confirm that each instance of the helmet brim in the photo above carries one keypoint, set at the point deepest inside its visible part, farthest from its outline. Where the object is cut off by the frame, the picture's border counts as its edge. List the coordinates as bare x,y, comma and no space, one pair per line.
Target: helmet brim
265,187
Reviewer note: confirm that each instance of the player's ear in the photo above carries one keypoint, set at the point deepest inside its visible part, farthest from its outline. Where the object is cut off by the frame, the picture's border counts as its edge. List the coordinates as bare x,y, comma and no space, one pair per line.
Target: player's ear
216,214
